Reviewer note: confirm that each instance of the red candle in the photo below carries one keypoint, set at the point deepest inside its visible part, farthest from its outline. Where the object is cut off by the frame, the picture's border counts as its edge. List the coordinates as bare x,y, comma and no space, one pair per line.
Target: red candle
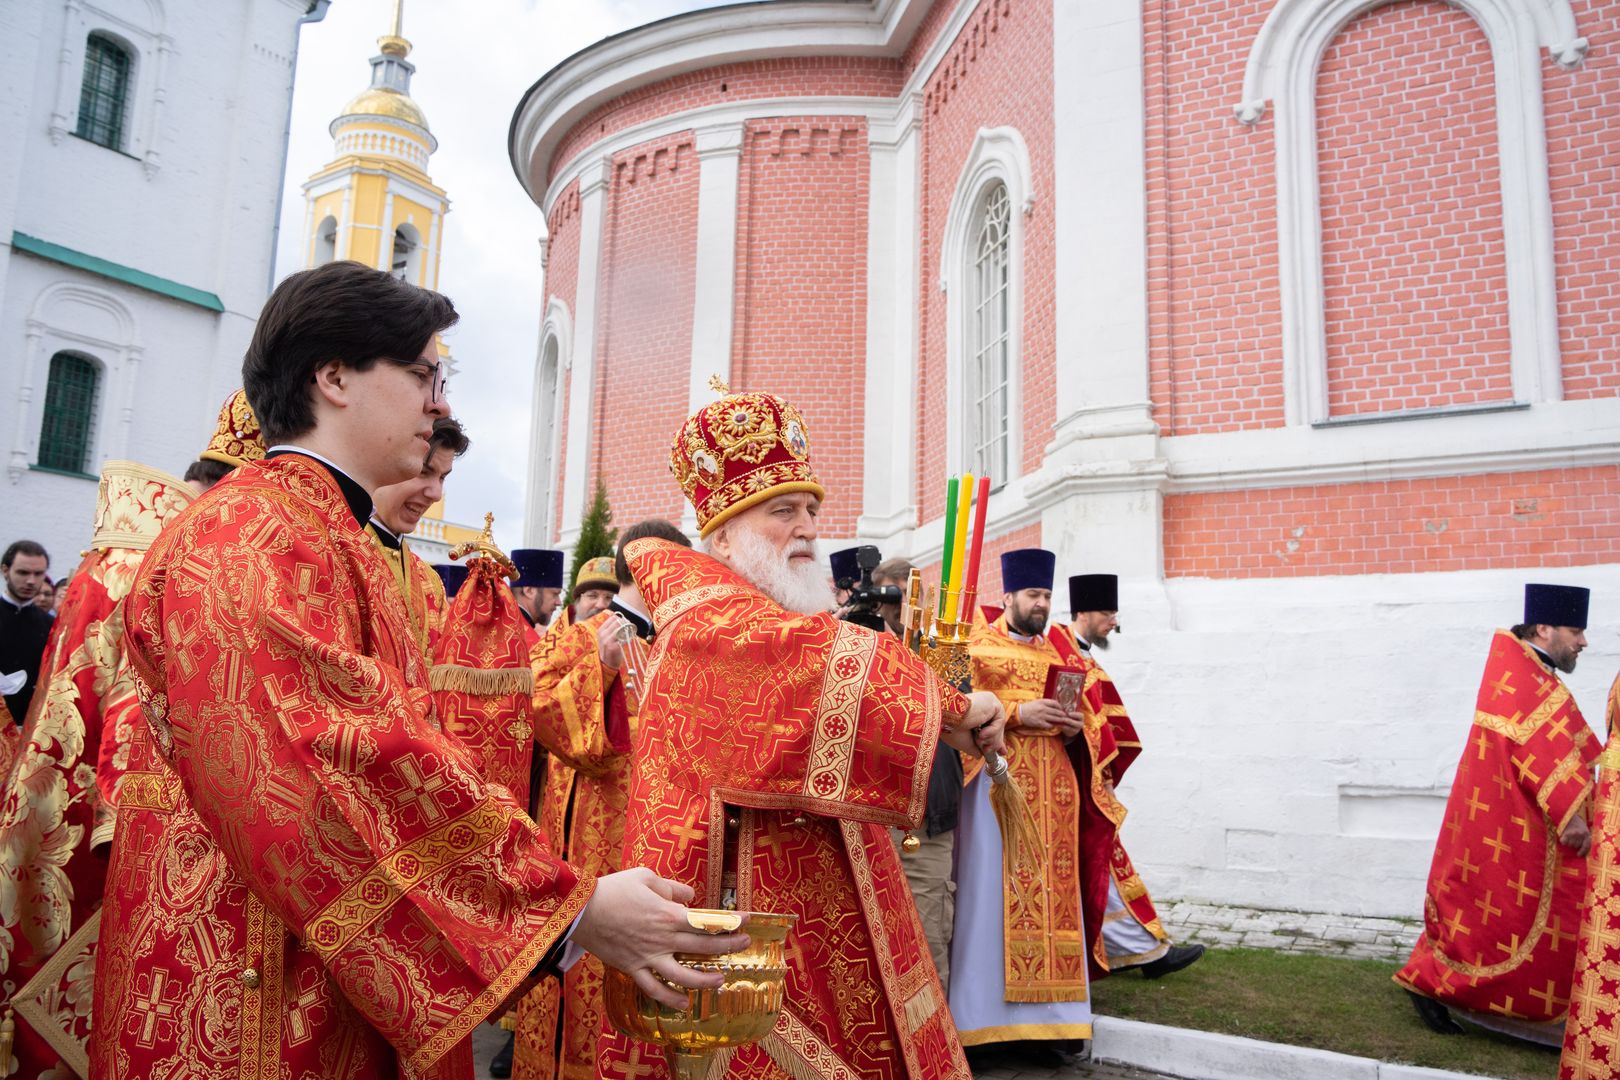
976,545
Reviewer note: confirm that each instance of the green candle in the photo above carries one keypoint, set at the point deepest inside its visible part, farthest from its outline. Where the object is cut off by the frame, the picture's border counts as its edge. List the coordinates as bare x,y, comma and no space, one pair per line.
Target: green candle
950,542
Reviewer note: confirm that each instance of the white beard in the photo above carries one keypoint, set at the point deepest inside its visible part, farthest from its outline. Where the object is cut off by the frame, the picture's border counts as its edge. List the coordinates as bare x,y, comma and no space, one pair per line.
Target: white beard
798,586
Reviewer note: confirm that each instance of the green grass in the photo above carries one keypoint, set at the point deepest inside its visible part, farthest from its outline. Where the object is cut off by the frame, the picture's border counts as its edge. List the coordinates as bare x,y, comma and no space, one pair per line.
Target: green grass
1348,1006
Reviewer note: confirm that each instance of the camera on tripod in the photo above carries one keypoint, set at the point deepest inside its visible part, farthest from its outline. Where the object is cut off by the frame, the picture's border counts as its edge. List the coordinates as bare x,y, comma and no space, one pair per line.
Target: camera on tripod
852,571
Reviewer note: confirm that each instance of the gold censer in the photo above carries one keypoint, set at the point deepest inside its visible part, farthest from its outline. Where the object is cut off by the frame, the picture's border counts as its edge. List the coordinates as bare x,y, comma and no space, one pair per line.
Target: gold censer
742,1010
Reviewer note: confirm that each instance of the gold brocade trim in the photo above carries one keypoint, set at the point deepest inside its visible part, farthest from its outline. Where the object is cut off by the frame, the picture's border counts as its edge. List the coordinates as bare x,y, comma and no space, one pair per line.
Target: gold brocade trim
1549,878
1562,771
802,1053
498,994
262,1001
1519,729
133,504
1609,758
155,791
682,602
832,747
372,894
481,682
1023,1032
31,1002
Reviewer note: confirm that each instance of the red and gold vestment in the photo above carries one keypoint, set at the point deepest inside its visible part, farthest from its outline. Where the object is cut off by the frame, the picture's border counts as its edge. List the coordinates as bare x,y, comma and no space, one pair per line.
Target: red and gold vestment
1100,760
1592,1037
1504,896
1044,939
815,736
420,587
56,815
481,678
309,878
582,718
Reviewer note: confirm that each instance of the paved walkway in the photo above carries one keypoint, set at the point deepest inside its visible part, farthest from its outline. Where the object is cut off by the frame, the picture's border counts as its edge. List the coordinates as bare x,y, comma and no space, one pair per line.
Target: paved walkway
1353,936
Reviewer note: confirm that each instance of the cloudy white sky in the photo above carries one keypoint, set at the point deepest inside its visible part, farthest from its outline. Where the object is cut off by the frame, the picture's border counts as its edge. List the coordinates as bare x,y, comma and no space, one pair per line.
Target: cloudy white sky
473,62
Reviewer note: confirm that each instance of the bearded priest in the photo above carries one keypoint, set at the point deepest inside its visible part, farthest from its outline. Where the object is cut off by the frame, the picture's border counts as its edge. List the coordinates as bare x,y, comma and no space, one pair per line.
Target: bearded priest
309,877
1509,873
776,747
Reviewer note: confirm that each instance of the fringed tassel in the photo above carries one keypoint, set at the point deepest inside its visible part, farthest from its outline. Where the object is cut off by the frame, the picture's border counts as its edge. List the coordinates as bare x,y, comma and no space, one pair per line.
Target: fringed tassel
1021,843
8,1036
482,682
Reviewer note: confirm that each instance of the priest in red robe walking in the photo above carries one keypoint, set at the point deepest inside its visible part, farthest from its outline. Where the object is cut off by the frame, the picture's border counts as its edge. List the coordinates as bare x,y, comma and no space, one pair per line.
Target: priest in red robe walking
1592,1036
1509,871
776,747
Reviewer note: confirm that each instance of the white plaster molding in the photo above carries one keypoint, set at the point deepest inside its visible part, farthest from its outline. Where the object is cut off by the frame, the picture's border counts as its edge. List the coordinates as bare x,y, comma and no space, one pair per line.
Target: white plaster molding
875,110
691,42
545,432
75,317
998,155
1553,435
1099,229
138,24
582,373
385,242
1282,69
889,446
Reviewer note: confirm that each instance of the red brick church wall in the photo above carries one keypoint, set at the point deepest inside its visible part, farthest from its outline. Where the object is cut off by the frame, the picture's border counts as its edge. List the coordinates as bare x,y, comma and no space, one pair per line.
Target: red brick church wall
800,311
644,332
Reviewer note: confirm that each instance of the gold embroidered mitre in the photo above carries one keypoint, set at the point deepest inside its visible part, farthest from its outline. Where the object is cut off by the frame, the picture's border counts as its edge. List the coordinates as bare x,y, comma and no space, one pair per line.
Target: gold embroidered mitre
236,440
133,504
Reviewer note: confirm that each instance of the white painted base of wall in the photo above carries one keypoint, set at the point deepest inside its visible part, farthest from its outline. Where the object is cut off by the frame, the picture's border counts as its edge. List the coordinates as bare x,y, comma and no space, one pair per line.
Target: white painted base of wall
1300,734
1204,1055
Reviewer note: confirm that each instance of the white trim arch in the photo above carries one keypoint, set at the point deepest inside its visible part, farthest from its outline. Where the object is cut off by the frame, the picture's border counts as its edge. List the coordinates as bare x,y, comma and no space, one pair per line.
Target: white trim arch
1282,70
75,318
545,428
998,155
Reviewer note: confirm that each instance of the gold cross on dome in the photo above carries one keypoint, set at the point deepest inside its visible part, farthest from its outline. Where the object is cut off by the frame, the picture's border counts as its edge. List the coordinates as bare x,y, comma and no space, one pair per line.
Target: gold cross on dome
719,386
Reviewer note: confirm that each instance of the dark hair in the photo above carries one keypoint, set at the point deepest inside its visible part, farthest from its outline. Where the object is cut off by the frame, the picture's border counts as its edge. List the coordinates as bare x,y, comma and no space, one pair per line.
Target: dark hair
656,528
207,471
448,435
23,547
340,311
1523,631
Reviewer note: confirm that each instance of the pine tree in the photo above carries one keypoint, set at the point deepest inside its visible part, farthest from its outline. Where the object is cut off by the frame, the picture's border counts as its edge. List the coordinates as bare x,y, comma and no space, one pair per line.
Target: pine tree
597,536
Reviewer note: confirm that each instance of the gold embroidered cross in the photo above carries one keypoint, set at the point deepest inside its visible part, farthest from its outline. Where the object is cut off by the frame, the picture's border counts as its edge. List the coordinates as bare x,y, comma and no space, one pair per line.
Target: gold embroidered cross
1524,769
1525,891
1501,686
1455,924
1462,863
1548,996
1506,1008
1488,911
420,788
1483,743
156,1005
1498,847
1474,803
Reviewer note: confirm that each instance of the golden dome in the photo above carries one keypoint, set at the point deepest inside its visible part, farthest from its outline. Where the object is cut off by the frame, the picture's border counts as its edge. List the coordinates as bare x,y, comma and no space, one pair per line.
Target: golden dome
381,101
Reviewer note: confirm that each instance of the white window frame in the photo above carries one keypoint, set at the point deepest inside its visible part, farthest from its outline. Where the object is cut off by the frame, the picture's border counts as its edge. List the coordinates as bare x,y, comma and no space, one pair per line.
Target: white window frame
57,324
1282,70
545,431
138,25
998,155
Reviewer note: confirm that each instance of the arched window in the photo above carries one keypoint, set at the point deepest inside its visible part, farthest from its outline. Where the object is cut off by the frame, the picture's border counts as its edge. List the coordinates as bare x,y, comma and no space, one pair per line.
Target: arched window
407,256
70,408
325,241
104,93
989,360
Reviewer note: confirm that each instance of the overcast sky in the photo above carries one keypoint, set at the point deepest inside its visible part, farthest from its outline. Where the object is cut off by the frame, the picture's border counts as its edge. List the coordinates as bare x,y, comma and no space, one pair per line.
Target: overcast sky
473,62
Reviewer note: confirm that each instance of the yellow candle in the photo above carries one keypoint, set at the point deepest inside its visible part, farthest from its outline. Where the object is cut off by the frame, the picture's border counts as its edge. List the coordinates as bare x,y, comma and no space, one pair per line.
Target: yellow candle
964,514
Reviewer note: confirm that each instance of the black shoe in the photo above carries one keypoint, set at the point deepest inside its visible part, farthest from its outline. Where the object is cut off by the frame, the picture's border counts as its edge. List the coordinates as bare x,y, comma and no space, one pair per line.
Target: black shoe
1174,959
1434,1015
500,1066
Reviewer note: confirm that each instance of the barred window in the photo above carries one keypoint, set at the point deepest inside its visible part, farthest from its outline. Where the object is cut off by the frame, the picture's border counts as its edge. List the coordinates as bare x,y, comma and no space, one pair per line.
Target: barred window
70,408
988,351
104,94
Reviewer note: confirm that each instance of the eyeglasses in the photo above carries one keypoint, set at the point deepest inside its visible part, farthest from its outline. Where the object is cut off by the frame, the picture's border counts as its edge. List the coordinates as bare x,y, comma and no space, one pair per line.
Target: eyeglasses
439,376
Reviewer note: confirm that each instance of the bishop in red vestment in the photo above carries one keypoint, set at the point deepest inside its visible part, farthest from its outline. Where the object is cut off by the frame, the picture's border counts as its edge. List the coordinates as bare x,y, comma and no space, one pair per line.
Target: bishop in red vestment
1509,871
777,745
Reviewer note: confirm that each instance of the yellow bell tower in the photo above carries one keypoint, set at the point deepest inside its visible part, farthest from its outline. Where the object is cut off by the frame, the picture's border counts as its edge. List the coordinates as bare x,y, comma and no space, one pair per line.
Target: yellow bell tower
374,202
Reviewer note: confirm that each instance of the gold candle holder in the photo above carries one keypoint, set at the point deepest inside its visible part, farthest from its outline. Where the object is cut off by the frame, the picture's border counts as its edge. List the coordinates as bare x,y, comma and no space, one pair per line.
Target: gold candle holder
742,1010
